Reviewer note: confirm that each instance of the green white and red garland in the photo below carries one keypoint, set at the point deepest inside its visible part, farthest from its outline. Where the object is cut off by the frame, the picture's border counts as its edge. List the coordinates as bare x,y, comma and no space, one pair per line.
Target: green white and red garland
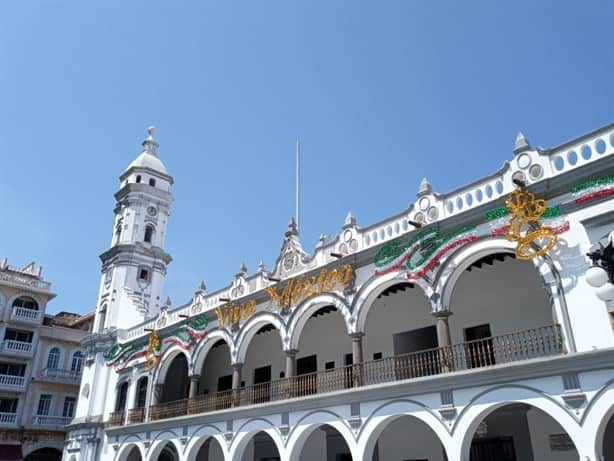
420,252
593,189
123,355
552,219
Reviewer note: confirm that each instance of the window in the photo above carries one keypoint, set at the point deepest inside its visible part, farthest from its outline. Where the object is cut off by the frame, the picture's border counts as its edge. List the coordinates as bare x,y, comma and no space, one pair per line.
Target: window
17,335
53,359
141,393
377,356
148,234
26,303
77,362
144,275
12,369
69,407
152,182
329,365
102,315
44,403
138,178
122,393
8,405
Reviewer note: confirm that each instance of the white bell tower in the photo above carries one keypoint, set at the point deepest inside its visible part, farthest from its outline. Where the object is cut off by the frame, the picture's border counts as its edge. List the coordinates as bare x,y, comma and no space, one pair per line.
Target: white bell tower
134,267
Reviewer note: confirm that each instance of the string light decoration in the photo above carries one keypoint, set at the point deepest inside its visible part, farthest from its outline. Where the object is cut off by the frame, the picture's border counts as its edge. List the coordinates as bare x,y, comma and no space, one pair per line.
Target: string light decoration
526,229
151,356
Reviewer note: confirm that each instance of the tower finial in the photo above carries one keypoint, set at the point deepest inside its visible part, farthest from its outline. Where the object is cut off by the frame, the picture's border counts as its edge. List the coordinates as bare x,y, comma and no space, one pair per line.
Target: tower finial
522,143
150,145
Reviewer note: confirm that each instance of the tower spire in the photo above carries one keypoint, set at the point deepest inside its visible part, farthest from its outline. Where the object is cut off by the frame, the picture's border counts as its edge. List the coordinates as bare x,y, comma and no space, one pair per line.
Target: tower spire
150,145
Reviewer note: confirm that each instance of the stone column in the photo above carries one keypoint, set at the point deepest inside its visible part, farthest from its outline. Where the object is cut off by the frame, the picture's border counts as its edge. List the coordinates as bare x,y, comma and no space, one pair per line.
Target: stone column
290,363
290,371
236,383
357,359
444,340
194,381
443,328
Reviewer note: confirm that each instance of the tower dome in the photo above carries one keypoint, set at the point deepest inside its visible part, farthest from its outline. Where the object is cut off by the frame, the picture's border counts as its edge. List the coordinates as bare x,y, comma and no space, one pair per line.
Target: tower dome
148,158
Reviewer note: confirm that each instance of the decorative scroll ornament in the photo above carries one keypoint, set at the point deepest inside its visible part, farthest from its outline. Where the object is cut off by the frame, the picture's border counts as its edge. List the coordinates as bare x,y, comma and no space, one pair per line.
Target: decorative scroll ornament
151,356
525,226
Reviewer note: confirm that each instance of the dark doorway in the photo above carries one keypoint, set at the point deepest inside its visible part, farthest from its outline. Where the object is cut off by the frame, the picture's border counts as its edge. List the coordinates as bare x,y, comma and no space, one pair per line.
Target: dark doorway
409,363
306,378
348,378
44,454
262,385
497,449
479,347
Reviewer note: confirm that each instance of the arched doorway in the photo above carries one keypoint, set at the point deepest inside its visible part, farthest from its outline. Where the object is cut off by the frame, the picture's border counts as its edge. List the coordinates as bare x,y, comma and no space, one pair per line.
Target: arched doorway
210,450
323,365
497,301
325,443
608,438
399,326
134,455
45,454
176,380
214,388
406,437
520,432
261,447
264,363
169,453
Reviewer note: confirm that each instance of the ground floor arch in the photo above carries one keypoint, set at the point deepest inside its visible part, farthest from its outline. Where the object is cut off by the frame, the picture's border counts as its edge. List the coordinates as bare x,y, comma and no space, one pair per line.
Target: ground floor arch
608,436
260,446
519,432
210,450
44,454
404,437
169,453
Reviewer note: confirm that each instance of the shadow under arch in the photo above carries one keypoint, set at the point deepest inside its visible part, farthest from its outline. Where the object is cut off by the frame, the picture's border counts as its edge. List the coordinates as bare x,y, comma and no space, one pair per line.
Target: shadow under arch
198,441
205,345
128,453
158,447
491,400
251,327
249,431
166,360
303,312
598,418
306,427
370,290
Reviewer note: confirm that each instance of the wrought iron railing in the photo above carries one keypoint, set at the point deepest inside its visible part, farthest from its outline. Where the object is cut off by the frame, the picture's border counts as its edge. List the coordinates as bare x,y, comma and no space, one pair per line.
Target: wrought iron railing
136,415
61,374
116,418
486,352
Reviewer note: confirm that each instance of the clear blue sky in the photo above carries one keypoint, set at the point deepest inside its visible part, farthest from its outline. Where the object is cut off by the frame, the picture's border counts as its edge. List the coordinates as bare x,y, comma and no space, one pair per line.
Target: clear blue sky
380,94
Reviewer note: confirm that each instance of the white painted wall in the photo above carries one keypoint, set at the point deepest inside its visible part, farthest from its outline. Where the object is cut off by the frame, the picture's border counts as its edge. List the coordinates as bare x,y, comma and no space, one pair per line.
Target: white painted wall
408,438
540,427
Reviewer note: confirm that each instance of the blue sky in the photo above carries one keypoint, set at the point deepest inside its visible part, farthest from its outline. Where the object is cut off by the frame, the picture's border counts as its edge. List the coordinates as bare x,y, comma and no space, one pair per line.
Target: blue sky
380,94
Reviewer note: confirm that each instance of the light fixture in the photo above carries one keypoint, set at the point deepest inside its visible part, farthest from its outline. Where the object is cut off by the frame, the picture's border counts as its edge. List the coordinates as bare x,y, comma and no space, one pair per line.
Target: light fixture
336,255
601,274
273,279
416,224
225,300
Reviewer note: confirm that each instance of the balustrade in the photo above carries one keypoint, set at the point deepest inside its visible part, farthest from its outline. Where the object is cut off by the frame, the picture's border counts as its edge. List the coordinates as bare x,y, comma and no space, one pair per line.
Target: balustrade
12,381
51,420
17,346
8,418
486,352
21,313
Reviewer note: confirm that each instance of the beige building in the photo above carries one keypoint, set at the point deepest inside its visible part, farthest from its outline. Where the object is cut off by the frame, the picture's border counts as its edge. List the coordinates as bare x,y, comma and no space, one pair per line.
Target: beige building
40,366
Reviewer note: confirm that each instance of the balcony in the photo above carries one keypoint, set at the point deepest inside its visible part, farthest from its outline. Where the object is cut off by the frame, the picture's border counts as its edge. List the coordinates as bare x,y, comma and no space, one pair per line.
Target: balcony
136,415
12,382
57,374
8,418
19,347
487,352
21,314
55,421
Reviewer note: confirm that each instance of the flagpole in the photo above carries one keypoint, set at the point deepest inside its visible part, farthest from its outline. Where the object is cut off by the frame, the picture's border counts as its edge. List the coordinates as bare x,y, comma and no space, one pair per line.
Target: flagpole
298,181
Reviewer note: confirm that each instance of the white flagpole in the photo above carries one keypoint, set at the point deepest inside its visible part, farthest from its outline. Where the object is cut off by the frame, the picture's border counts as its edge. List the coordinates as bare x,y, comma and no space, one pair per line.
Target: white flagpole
298,181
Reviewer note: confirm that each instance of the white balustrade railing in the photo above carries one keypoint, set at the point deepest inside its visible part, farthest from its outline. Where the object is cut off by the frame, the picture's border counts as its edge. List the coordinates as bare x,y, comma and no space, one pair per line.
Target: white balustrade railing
61,374
8,418
17,346
24,280
12,381
51,420
21,313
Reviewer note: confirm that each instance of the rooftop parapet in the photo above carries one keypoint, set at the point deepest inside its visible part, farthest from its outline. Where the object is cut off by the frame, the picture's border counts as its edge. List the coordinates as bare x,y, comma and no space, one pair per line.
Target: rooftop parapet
27,276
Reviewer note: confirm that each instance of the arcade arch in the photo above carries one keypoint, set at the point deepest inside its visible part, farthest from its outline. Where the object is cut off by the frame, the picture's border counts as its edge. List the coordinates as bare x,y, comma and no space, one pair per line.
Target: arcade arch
518,431
210,450
260,446
175,379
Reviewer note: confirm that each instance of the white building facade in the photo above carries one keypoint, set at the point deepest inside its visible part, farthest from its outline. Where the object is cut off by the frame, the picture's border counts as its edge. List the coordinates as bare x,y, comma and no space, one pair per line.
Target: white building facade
467,327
